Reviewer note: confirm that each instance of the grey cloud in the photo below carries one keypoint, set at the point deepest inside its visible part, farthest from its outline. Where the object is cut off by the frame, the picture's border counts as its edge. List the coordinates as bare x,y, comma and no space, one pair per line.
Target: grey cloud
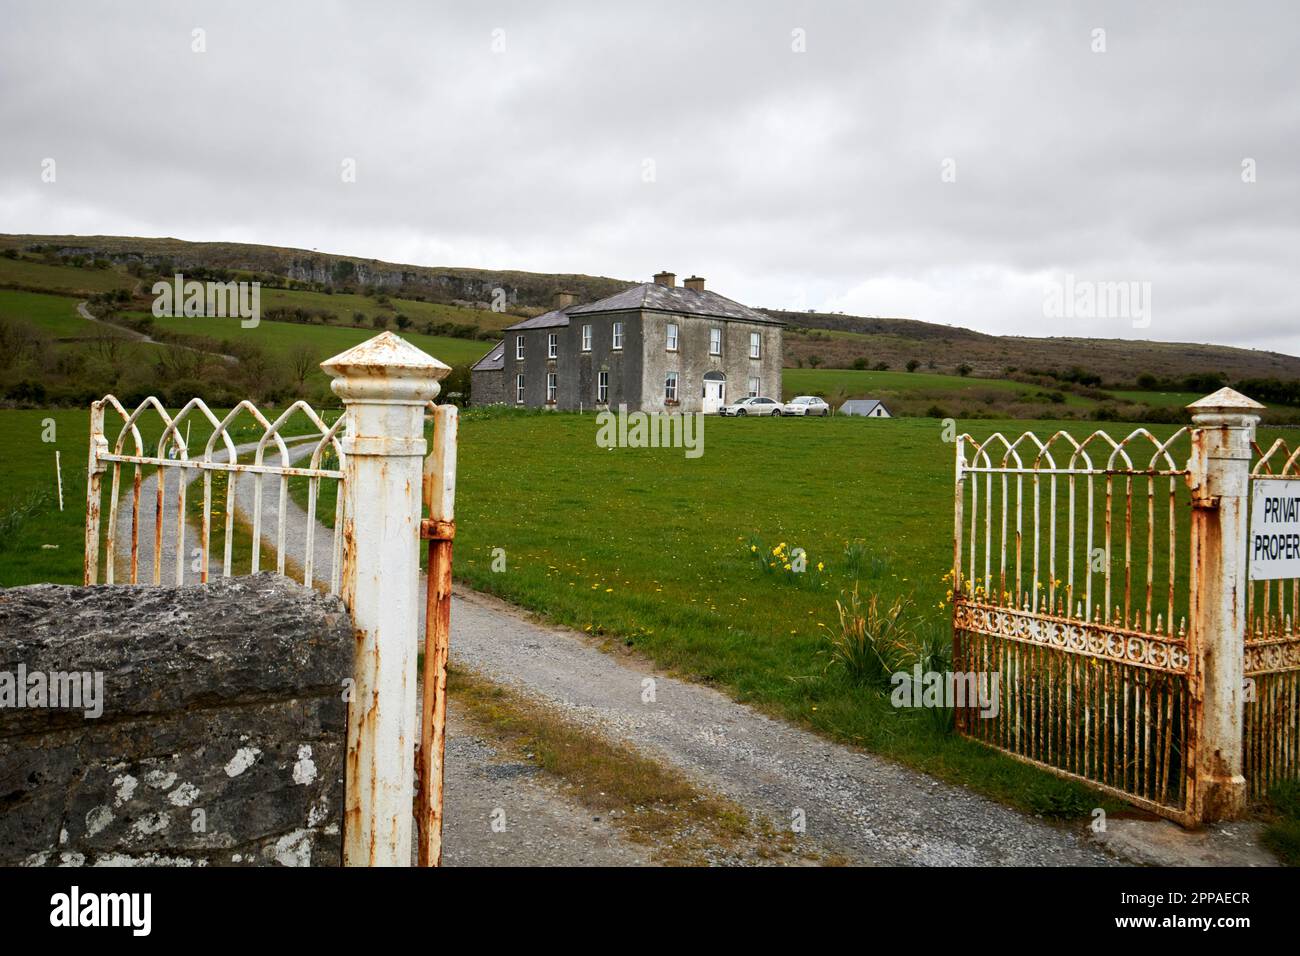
790,179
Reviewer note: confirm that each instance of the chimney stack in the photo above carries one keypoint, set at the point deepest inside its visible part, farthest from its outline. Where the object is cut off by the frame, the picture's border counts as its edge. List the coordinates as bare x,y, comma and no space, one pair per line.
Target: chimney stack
668,279
694,283
562,300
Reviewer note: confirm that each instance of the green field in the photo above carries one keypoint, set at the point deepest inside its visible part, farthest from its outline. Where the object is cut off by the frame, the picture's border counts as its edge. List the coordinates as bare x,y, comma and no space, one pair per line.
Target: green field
55,314
61,278
282,338
655,551
344,305
894,385
1157,399
642,548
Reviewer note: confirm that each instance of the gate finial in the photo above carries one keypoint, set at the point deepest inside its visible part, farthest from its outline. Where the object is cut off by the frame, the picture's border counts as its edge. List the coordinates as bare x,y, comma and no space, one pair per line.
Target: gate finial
1225,400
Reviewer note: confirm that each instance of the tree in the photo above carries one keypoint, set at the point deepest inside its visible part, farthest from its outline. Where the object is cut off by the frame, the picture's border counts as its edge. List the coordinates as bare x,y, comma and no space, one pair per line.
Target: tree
302,360
963,370
814,361
913,365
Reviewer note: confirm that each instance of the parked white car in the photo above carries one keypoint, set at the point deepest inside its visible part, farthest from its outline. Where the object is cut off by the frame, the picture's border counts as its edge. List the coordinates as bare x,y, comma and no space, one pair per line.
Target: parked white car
805,405
754,405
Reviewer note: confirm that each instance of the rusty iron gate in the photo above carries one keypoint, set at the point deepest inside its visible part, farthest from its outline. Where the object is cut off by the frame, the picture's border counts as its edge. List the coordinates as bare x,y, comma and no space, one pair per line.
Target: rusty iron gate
1272,666
1066,565
1105,583
245,432
375,453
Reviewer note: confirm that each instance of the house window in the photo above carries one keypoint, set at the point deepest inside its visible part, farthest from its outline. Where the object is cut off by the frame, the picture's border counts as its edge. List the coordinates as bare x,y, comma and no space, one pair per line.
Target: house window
753,386
550,388
602,388
552,345
519,348
586,338
519,389
715,341
670,387
618,335
671,337
755,345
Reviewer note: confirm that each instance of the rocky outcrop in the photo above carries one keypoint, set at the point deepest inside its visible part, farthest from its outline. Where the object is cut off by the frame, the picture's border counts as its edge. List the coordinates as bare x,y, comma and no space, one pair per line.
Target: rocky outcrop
209,727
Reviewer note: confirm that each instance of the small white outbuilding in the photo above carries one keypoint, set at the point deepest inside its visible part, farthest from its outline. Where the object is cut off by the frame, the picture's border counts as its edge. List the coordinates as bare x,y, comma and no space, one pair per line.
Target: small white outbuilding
866,408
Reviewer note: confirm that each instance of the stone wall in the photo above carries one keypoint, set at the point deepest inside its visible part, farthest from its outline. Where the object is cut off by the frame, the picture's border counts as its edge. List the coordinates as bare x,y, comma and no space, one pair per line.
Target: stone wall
222,736
487,387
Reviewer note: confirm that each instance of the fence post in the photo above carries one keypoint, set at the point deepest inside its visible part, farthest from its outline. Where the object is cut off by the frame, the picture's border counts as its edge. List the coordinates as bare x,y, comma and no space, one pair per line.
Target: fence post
94,495
1224,428
385,384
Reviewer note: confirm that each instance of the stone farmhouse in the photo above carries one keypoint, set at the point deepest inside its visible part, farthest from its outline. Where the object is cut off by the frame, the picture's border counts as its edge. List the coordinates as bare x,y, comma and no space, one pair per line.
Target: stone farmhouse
656,347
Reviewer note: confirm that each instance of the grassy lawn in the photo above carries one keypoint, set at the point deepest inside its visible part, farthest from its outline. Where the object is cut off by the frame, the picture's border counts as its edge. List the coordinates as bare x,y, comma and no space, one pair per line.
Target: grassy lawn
56,314
662,554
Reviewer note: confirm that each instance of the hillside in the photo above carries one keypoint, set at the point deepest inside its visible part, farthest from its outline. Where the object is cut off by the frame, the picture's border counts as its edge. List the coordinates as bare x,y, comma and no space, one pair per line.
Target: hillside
839,340
319,302
316,269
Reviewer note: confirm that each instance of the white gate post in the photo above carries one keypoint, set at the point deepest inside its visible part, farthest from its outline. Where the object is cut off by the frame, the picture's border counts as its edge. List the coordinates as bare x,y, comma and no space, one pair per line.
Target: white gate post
385,384
1220,485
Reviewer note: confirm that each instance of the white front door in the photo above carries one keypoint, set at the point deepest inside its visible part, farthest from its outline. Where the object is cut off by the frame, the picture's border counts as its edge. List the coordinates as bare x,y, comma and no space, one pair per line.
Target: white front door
714,395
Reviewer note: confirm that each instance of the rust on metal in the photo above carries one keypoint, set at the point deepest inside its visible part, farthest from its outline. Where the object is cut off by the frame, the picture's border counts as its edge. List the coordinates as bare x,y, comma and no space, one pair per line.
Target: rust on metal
172,455
1055,582
439,528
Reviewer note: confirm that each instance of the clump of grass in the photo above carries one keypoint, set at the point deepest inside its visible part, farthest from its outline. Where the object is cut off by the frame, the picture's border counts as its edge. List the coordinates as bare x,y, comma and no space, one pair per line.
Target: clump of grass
1282,835
871,641
14,514
934,654
860,561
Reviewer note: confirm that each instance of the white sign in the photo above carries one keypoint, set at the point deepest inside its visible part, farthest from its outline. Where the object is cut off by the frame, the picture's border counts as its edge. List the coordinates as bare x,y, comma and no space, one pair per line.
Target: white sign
1275,530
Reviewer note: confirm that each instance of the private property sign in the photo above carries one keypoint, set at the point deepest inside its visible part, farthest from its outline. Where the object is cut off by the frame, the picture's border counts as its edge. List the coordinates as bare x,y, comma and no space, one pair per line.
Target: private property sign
1275,529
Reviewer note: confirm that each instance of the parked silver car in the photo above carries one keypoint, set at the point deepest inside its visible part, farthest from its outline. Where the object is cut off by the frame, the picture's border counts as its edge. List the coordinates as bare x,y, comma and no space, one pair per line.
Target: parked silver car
754,405
806,405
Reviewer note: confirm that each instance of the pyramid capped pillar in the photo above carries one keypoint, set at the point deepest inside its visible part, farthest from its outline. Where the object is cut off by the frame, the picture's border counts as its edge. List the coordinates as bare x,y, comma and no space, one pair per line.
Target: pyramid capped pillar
385,384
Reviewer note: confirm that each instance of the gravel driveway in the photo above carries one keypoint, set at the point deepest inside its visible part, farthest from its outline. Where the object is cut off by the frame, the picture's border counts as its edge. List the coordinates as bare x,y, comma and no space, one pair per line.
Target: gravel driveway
858,806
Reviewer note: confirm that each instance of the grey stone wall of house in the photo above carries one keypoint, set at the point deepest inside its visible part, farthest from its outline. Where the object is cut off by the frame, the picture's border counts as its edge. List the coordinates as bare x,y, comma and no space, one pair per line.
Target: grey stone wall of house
576,372
691,361
637,373
222,738
486,387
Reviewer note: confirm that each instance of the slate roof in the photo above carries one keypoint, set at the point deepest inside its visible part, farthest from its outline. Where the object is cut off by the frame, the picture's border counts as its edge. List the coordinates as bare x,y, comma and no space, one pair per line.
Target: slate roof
662,298
554,319
860,406
494,361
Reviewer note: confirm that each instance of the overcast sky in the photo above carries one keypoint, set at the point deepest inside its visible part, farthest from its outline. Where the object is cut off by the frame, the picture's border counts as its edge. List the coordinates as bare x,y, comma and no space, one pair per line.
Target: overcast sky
941,161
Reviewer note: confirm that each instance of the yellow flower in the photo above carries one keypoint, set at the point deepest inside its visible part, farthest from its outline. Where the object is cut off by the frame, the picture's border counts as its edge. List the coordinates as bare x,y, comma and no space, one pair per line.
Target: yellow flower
821,566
